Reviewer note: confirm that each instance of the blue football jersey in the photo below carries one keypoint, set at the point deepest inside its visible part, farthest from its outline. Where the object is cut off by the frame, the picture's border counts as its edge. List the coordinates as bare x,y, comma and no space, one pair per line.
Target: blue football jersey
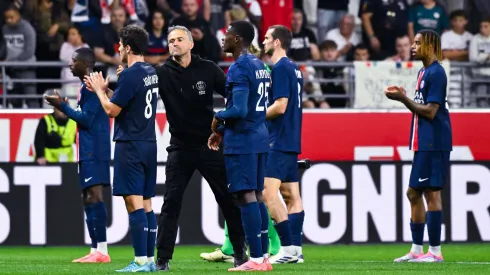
436,134
248,135
94,142
136,94
285,130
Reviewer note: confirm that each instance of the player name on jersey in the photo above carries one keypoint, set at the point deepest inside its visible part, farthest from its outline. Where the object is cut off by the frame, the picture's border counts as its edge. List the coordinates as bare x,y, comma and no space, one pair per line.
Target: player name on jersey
261,74
150,80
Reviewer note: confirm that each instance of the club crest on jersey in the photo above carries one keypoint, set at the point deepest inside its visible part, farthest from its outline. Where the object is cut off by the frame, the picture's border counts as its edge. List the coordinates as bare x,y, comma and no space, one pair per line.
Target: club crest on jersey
419,98
201,87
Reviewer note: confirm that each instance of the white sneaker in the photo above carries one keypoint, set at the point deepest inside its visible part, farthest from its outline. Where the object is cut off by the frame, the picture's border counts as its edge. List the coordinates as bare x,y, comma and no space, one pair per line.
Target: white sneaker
217,256
285,255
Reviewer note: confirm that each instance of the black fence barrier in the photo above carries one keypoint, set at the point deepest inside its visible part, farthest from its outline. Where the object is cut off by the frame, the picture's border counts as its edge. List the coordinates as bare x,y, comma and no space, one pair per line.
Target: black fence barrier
344,202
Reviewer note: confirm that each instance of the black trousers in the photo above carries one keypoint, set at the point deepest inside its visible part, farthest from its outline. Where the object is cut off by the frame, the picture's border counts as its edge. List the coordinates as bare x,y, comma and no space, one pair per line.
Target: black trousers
181,164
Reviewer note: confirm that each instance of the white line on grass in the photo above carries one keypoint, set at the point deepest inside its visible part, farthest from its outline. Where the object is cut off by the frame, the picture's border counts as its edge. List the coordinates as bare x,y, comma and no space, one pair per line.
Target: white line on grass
385,262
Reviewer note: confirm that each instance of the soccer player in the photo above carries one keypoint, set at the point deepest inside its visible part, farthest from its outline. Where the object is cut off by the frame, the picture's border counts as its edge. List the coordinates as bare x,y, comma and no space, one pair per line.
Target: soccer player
284,115
246,140
94,154
431,141
133,106
225,252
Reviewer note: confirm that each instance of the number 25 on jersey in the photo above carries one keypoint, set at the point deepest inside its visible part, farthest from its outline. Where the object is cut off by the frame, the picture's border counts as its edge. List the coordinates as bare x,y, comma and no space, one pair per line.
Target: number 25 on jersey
262,91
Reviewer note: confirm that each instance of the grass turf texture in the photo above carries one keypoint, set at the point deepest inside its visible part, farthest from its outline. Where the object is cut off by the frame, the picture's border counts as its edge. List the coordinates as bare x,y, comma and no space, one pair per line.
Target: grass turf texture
335,259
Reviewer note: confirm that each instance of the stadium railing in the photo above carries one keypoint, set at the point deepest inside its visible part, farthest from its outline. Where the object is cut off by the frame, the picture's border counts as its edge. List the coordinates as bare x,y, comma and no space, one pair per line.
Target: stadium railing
463,82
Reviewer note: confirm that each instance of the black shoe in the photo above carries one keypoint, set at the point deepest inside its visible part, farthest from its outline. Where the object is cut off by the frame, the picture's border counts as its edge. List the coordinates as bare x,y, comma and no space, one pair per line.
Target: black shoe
241,257
163,265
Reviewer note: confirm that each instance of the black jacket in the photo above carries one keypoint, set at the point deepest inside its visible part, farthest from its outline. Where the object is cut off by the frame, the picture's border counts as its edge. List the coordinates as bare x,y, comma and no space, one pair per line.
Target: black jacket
188,97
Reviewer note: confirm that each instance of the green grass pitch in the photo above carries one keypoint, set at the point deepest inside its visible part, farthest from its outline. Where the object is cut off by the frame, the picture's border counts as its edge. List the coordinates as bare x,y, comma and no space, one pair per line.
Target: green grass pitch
334,259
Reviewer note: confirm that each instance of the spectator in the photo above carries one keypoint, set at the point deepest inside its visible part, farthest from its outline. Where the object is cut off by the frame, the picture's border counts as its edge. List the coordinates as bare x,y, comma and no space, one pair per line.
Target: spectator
54,139
71,84
157,51
330,12
205,43
220,14
455,45
20,39
476,10
278,13
303,45
254,12
361,53
382,22
427,15
106,42
86,15
480,53
332,91
344,36
51,23
3,47
403,49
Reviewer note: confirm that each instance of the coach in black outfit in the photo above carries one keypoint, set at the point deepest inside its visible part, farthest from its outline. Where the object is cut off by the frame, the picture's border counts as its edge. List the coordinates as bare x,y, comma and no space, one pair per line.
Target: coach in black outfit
186,85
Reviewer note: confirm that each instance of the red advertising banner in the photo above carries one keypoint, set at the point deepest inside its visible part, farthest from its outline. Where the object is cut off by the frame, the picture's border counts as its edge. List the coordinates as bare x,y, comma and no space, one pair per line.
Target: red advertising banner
327,135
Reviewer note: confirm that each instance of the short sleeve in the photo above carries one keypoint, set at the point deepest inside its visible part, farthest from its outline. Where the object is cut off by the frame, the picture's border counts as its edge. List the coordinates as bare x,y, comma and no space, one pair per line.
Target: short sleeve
125,90
412,15
437,87
280,83
239,79
311,36
369,6
92,102
445,41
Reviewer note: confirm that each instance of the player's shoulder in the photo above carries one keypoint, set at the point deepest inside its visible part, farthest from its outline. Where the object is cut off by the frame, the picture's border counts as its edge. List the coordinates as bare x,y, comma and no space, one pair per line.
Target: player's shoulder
437,69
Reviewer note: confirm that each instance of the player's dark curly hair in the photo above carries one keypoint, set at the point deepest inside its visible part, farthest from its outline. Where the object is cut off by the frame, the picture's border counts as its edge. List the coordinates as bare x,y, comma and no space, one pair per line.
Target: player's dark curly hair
245,30
136,37
431,41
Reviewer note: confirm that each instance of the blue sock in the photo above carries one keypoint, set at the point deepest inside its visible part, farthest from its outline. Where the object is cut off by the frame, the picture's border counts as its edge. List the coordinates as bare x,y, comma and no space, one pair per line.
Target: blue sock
417,232
434,223
296,221
284,231
138,227
152,234
251,225
90,225
264,228
99,213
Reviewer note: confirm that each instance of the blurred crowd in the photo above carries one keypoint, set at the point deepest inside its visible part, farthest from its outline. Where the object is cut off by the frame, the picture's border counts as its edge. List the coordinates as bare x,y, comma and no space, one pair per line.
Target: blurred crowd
323,30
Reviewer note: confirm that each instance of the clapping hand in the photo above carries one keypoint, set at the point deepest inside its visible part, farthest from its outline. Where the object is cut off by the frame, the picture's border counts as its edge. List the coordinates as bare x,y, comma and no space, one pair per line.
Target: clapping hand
395,92
54,100
95,82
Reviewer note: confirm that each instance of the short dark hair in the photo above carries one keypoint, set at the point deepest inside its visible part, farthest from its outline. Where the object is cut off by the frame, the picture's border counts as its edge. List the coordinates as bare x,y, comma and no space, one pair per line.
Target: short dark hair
136,37
361,47
328,45
432,38
457,13
12,7
485,19
283,34
245,30
86,55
